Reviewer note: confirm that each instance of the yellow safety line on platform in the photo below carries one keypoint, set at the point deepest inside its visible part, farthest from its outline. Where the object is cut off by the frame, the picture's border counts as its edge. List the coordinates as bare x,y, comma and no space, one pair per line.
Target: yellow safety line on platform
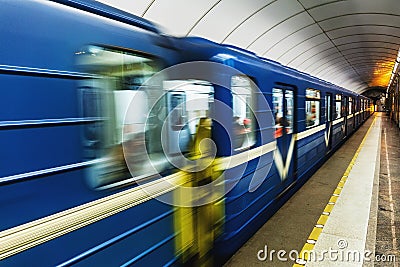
317,230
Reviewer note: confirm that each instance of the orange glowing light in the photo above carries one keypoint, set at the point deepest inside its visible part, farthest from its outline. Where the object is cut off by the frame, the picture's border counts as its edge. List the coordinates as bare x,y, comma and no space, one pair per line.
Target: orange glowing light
381,74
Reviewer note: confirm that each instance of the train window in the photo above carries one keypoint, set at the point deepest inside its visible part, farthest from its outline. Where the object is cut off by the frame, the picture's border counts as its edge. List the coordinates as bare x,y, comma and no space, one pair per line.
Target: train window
338,106
328,108
242,105
277,102
289,110
355,105
312,108
344,105
129,130
188,101
283,107
350,105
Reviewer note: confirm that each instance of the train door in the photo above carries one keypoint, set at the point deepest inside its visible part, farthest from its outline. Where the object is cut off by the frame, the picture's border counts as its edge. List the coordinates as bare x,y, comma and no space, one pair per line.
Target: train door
351,113
283,106
189,127
362,110
345,113
356,113
187,103
178,134
243,130
328,122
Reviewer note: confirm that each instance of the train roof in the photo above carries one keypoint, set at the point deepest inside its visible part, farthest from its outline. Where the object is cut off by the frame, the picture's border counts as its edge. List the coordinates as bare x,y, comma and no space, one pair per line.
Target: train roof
250,56
107,11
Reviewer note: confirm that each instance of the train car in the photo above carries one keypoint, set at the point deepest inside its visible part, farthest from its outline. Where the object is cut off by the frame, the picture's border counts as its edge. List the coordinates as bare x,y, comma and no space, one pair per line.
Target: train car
68,69
310,120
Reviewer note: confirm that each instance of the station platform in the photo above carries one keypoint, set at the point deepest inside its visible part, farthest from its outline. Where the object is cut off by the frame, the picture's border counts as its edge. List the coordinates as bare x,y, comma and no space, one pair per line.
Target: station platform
347,214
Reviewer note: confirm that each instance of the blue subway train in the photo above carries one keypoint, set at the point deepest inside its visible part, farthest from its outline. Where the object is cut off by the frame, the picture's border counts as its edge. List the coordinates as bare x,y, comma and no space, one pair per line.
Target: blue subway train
121,146
317,118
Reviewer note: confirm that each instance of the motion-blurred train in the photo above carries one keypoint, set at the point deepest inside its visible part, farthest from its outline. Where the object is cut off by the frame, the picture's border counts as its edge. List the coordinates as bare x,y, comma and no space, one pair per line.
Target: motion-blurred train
100,151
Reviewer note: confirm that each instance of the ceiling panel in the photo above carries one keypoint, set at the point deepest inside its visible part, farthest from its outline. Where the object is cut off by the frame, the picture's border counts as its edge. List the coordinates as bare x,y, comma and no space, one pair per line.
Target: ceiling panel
324,70
321,68
367,38
315,3
376,58
344,8
259,23
304,60
370,54
350,30
359,20
278,35
305,48
366,49
367,44
295,38
339,71
179,15
237,12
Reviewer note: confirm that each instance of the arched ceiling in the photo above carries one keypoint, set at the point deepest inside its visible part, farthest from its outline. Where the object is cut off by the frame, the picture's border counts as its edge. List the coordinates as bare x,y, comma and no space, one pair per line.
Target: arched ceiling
351,43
